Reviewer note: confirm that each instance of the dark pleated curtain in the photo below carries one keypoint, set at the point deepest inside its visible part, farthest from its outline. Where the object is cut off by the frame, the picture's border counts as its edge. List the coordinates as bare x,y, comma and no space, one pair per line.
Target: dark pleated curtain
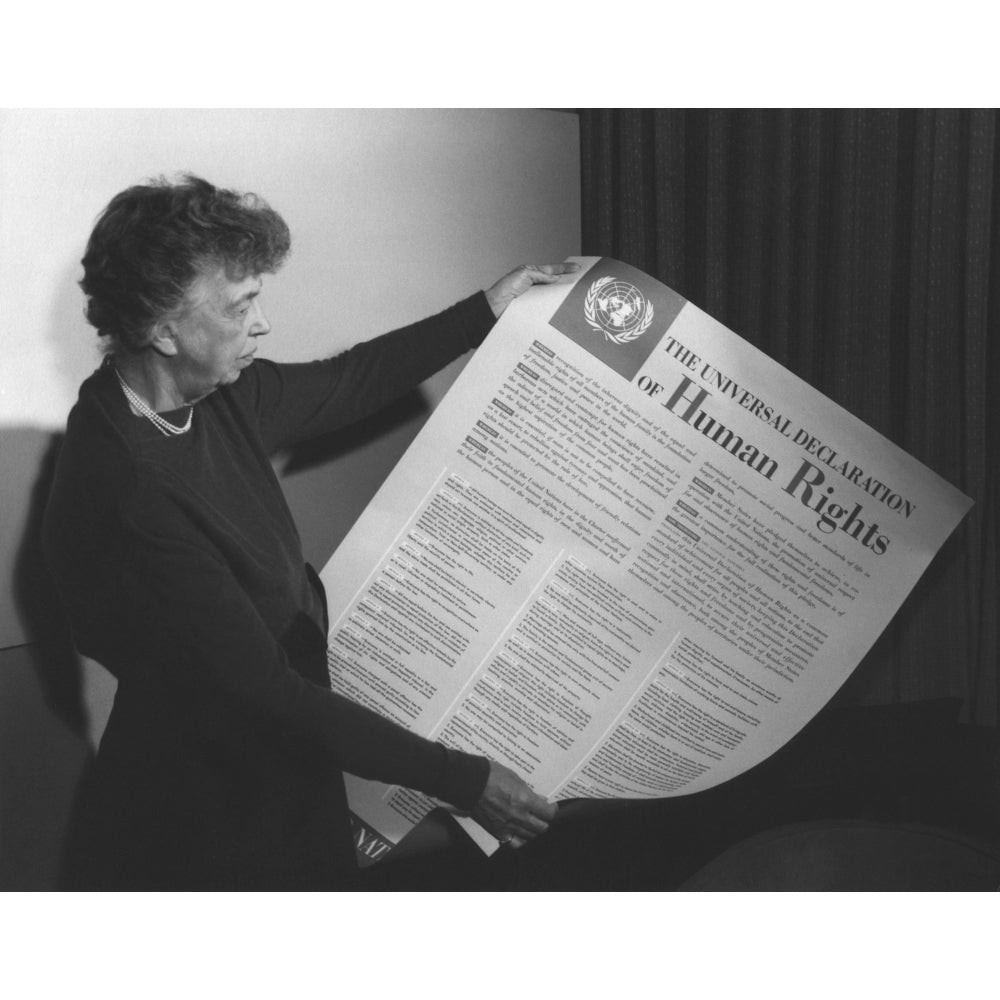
861,249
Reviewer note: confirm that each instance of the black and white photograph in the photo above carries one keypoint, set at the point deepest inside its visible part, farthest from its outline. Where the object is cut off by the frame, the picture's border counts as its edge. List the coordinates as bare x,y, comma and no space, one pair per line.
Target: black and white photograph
505,508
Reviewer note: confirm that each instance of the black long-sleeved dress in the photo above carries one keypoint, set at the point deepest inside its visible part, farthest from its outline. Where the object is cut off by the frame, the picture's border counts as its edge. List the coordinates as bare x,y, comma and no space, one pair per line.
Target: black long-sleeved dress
182,572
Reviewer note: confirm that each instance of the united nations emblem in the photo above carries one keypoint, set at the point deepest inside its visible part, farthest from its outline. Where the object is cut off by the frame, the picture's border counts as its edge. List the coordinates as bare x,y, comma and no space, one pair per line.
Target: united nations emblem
617,309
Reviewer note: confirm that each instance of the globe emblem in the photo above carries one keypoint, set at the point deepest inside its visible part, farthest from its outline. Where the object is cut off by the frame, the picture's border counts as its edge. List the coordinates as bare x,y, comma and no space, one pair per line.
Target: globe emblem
618,309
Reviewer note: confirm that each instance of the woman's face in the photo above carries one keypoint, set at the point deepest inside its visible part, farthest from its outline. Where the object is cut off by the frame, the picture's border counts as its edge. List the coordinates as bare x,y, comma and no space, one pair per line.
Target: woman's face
216,333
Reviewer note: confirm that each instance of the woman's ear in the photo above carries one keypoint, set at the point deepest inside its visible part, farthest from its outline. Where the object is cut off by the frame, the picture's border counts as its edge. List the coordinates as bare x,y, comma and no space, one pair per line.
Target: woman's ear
163,338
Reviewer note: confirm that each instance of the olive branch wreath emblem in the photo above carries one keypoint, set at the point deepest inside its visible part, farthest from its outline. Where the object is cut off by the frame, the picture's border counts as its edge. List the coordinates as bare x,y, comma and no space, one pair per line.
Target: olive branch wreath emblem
591,315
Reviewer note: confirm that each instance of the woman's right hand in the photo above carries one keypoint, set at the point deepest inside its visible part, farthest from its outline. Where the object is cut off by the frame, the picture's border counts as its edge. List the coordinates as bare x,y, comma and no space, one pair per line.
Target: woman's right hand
510,810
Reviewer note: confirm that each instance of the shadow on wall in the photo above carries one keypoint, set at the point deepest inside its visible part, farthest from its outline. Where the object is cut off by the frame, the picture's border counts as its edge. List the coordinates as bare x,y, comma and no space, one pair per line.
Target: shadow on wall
35,597
43,723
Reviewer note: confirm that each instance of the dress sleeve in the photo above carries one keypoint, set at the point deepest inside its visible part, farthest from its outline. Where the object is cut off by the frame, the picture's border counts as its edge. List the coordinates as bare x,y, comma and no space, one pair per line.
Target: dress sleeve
294,402
203,637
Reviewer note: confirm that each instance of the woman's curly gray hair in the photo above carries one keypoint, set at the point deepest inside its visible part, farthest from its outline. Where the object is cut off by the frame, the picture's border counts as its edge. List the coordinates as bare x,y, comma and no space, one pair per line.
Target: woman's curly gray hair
153,240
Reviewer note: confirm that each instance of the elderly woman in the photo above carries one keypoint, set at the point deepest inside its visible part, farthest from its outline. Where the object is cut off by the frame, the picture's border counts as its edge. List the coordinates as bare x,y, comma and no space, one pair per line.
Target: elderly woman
182,572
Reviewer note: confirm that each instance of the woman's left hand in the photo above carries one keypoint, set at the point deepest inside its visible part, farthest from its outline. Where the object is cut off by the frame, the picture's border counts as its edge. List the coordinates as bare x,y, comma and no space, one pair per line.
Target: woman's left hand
510,810
521,279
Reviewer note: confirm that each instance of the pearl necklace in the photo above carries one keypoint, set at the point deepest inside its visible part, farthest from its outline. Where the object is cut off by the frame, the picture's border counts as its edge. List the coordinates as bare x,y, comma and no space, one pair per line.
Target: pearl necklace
163,426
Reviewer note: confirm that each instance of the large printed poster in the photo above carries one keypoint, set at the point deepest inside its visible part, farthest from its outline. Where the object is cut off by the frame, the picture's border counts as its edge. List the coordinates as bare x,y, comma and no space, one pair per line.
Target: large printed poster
628,556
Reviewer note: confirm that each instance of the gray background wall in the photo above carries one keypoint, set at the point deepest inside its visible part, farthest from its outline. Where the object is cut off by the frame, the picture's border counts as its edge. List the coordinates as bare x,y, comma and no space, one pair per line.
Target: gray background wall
394,215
